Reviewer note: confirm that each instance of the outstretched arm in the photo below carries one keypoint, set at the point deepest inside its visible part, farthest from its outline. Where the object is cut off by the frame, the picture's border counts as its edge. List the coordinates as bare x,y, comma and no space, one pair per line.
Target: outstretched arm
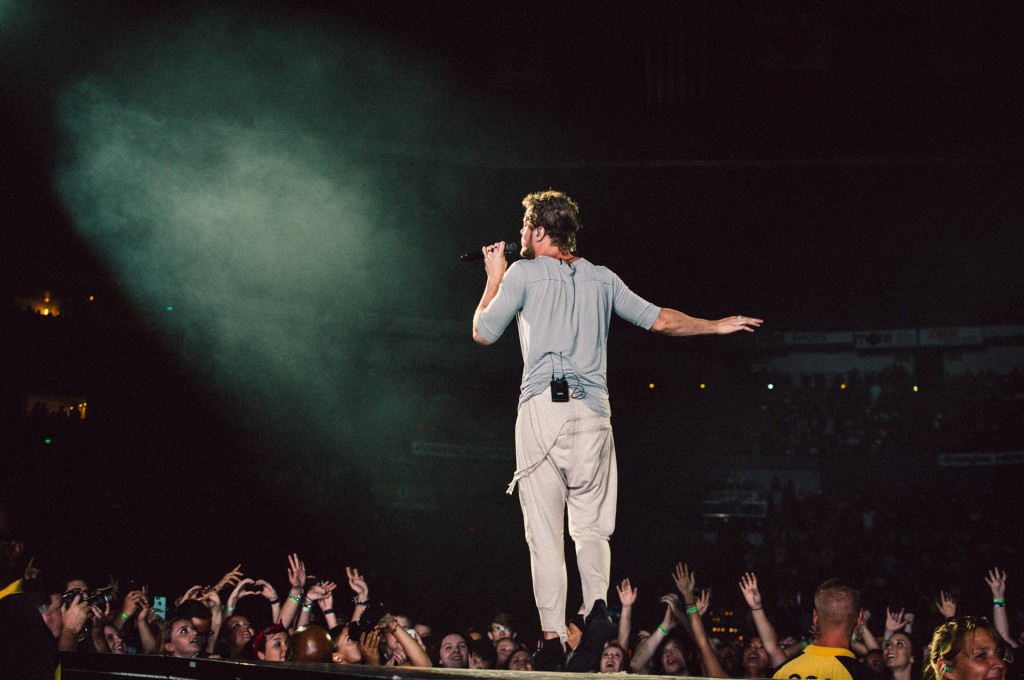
765,629
996,580
627,596
414,651
686,581
675,323
297,581
863,636
645,649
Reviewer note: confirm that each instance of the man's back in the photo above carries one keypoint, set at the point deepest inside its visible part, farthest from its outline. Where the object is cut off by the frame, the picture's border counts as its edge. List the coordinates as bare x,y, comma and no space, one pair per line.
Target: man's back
564,311
825,663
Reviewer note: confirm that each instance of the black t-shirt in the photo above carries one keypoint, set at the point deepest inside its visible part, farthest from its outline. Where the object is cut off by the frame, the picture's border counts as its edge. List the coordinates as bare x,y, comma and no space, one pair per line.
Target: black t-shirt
28,650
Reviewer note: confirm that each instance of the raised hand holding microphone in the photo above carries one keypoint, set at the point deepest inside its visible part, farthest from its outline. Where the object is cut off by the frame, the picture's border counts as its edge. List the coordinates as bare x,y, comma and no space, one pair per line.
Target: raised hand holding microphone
511,250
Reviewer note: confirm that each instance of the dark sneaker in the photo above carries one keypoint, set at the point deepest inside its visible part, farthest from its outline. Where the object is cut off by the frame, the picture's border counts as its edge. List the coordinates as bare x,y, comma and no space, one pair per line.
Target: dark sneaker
597,631
550,657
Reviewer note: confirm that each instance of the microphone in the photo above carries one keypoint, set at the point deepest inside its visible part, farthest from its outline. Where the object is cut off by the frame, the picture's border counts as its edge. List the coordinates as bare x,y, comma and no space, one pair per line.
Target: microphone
511,250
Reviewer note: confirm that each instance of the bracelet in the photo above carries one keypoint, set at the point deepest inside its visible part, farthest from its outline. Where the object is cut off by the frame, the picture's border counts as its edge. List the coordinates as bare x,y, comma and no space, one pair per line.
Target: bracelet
328,611
999,600
804,643
998,605
756,609
274,601
295,599
662,629
307,607
123,617
360,603
854,639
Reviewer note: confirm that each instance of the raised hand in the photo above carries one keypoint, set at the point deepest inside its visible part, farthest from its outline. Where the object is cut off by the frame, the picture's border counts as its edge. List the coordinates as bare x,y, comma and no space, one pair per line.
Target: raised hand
685,582
192,593
296,571
627,594
946,604
894,621
31,572
144,607
319,591
703,602
358,584
748,585
229,579
996,580
133,602
674,612
268,590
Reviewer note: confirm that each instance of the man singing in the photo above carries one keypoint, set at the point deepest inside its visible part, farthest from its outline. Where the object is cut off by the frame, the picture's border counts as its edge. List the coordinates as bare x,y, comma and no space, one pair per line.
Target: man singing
564,447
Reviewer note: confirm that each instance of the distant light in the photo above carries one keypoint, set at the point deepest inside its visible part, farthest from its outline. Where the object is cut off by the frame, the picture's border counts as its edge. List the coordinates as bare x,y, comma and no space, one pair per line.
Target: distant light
771,386
92,298
915,388
702,385
47,441
651,386
169,308
842,386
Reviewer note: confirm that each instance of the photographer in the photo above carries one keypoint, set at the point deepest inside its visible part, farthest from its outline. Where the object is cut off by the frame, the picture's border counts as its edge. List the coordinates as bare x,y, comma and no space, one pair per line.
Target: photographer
27,649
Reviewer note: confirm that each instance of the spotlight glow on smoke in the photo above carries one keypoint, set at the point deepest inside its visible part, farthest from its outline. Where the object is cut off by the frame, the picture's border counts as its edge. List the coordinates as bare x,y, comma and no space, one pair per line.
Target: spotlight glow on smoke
271,184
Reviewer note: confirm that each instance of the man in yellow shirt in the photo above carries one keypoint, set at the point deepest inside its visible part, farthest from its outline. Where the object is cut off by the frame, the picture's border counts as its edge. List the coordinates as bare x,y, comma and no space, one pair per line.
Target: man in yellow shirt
837,613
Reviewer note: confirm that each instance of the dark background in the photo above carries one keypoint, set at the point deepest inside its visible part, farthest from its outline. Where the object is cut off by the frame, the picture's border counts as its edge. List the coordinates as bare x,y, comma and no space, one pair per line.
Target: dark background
825,166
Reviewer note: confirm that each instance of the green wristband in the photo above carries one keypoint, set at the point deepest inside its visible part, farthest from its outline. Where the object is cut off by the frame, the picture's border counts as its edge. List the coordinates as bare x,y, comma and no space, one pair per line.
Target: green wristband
123,617
294,599
692,609
662,629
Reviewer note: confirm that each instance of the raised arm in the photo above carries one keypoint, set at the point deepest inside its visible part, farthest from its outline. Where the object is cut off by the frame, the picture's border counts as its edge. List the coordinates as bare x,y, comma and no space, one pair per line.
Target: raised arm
686,582
645,649
297,580
627,596
996,580
362,592
495,265
147,636
415,654
895,621
765,629
946,604
675,323
862,634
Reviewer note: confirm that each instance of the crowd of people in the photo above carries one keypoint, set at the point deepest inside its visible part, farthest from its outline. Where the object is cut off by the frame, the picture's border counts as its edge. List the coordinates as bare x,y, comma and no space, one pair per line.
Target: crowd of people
315,619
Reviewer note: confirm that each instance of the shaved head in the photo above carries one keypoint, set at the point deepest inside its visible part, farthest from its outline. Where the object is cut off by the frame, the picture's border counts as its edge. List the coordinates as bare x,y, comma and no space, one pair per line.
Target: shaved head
837,604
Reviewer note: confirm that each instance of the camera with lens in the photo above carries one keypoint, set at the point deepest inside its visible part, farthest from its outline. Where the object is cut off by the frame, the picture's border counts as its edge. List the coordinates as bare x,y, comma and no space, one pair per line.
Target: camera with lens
99,598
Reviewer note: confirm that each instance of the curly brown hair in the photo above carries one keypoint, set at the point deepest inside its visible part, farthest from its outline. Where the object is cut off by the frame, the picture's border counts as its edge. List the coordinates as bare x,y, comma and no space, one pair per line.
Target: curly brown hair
558,214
